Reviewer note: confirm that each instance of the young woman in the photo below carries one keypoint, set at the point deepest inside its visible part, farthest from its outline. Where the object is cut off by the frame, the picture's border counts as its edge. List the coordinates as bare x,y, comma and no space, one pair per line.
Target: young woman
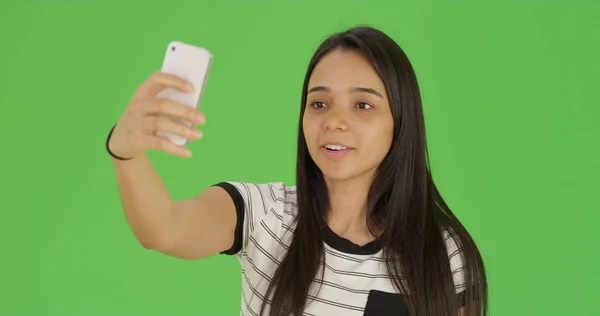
363,232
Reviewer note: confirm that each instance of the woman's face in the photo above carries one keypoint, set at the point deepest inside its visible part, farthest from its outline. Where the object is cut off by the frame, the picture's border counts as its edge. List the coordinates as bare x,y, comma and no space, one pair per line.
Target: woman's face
347,107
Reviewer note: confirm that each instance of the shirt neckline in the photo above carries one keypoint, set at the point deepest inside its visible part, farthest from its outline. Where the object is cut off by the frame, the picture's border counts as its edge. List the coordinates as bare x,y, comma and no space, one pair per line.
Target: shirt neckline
346,246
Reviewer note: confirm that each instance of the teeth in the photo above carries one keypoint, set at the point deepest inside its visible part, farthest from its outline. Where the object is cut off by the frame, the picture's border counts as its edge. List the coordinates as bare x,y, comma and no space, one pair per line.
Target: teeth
335,147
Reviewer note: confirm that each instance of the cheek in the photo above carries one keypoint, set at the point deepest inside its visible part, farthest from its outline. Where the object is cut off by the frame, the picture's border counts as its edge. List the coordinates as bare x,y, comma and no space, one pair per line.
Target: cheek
311,129
379,141
308,137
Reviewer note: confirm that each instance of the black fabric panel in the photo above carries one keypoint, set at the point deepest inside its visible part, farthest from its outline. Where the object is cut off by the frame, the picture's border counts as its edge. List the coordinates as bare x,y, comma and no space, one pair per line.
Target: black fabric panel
381,303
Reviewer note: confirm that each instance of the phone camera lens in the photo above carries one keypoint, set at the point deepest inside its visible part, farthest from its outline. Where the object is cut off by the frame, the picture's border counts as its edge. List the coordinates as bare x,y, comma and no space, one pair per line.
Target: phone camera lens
173,48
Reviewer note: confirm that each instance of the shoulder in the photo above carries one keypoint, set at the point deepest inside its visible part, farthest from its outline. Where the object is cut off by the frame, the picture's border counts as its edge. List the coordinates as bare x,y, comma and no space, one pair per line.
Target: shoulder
260,195
262,208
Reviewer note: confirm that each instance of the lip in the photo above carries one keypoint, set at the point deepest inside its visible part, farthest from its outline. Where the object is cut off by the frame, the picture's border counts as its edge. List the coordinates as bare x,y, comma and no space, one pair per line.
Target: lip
337,144
337,153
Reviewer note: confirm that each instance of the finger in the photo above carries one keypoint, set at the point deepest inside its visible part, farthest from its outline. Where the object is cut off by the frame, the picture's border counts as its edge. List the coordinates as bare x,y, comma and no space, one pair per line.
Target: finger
169,107
160,80
162,144
158,123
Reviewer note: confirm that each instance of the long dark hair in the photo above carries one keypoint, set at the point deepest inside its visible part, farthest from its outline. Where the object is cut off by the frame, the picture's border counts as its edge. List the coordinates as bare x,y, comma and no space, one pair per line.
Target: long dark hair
403,200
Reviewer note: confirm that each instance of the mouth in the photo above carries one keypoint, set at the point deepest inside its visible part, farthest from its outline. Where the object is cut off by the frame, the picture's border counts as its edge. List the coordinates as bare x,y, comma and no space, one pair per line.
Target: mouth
335,150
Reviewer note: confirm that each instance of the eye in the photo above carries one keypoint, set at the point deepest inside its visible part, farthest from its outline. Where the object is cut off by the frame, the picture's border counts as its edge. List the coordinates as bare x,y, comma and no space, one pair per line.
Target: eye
318,104
364,106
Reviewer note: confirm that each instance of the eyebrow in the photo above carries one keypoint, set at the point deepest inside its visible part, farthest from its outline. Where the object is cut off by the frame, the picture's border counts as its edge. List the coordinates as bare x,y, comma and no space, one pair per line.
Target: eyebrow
353,89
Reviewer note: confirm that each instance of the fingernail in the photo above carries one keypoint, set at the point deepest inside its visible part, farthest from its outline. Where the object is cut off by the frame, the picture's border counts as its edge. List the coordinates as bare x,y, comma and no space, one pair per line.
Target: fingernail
196,134
200,119
189,88
187,153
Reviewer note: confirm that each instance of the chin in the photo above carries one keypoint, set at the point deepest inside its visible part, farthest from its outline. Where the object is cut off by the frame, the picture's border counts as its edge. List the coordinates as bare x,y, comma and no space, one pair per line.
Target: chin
335,172
336,176
343,172
338,170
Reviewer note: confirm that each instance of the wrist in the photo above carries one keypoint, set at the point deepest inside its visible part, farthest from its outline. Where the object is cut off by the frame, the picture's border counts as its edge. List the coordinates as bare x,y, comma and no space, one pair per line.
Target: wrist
115,156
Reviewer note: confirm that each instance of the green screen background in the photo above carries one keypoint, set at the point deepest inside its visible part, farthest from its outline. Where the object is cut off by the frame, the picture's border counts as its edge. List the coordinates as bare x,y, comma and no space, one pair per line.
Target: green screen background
511,103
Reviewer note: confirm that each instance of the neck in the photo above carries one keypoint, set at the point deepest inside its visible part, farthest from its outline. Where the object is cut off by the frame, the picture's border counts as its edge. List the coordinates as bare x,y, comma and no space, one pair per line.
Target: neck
348,205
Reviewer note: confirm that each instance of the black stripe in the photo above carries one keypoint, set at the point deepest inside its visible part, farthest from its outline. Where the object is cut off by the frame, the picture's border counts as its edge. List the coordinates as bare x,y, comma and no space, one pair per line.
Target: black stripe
273,195
274,236
279,217
292,203
264,251
337,286
450,235
255,291
248,304
350,258
262,198
250,210
259,271
288,228
456,252
458,286
285,200
458,270
357,274
336,304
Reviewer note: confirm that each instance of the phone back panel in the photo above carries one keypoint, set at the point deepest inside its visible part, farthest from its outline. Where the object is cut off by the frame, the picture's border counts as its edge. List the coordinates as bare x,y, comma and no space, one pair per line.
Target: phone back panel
192,64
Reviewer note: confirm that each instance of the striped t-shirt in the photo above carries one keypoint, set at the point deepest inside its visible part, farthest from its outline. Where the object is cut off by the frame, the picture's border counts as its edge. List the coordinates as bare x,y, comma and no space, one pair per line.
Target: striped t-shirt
355,280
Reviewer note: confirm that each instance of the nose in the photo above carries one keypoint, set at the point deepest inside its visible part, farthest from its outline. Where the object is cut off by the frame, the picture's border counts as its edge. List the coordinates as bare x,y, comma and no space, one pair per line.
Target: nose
336,121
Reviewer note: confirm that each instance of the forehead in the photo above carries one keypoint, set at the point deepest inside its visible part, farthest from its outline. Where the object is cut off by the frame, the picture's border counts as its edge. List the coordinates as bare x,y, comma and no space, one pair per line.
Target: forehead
343,69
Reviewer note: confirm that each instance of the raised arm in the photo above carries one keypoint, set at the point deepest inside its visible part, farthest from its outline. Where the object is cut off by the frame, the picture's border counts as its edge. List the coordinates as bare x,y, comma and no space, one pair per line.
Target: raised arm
190,229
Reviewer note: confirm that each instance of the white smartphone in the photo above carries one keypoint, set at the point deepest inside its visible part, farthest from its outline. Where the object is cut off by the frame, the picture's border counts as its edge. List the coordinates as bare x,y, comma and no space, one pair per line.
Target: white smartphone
192,64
